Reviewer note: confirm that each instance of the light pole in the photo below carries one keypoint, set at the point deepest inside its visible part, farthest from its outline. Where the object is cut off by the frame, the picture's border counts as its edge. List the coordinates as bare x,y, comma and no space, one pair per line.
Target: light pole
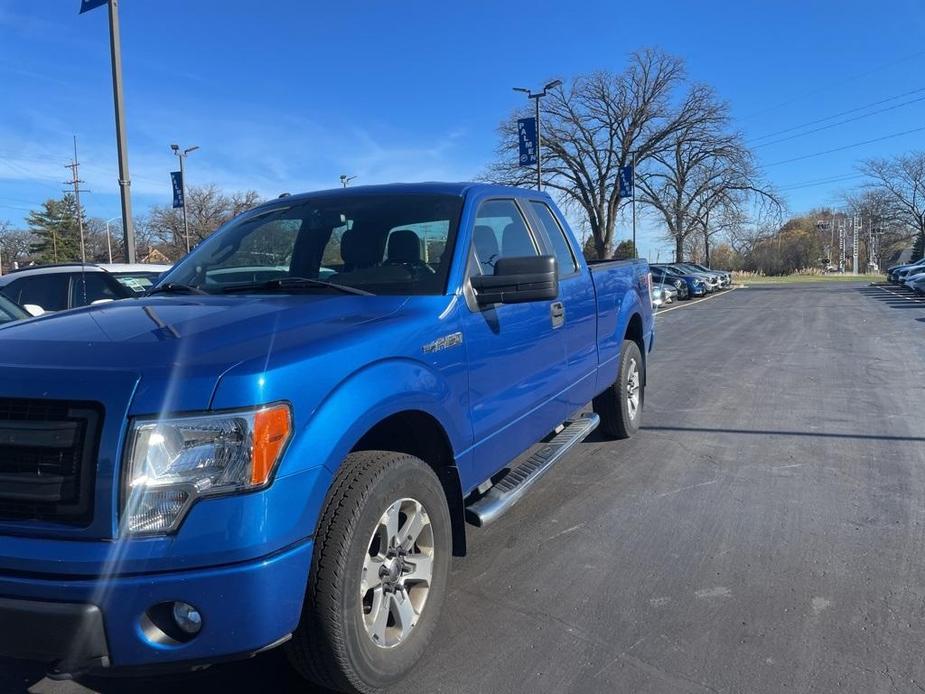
181,155
109,237
536,96
345,179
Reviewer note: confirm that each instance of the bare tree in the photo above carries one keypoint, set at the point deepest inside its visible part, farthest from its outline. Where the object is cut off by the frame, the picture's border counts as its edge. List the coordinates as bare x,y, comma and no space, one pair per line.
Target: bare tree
901,183
703,175
591,129
15,246
207,208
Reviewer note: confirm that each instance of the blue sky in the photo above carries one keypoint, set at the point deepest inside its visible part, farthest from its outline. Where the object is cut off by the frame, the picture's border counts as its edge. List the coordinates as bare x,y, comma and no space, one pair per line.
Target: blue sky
285,95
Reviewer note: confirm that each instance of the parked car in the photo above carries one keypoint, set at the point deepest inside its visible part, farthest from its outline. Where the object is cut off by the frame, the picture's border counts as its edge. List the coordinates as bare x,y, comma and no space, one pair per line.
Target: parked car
662,278
913,275
659,297
687,285
713,279
918,286
60,287
139,277
292,461
670,293
725,277
710,282
897,272
10,311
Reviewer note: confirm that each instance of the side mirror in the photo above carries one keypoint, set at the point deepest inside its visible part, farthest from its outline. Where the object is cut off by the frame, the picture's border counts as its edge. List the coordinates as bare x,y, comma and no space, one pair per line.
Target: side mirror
518,280
34,309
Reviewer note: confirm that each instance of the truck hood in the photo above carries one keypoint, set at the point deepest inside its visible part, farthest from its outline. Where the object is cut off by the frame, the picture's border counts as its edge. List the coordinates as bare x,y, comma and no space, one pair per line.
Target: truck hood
179,347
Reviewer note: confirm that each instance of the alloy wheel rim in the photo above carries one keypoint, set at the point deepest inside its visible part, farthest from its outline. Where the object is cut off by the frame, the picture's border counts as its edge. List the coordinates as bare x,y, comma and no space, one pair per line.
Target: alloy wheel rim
632,389
397,572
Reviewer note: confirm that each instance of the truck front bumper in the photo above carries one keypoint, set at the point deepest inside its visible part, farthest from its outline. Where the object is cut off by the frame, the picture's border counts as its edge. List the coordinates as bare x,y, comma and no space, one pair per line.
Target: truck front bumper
78,624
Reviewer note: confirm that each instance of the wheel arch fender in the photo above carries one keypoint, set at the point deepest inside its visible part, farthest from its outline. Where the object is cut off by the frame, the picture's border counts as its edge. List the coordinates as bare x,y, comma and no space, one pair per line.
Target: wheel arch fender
370,408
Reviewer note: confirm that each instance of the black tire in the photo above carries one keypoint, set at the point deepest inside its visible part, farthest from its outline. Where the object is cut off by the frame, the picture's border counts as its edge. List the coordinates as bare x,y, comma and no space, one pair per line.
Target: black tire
331,645
617,421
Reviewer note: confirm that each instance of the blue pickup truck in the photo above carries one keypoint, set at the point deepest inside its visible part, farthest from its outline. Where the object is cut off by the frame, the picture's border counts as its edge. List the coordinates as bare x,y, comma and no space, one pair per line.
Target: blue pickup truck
285,440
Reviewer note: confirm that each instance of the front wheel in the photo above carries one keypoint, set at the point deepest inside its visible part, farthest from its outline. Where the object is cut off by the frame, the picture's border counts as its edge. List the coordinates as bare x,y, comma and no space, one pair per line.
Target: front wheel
378,576
620,406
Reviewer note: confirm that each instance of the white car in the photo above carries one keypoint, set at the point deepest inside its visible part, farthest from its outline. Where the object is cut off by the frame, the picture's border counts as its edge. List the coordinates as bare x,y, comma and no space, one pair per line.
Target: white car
139,277
43,288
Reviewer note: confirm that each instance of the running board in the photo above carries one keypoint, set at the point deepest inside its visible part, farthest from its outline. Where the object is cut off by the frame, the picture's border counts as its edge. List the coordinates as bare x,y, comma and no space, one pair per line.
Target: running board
520,479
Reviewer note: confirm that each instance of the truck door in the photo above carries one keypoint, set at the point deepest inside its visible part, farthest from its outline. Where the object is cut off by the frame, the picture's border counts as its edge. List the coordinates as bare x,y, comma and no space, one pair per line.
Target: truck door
516,351
579,308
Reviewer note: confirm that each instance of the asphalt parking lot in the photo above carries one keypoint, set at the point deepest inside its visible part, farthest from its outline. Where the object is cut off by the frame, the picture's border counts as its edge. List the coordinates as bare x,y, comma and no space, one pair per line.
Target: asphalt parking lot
764,533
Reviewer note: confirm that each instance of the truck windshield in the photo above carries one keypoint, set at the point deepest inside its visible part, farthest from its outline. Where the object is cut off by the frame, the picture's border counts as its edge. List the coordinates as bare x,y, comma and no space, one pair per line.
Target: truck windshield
381,244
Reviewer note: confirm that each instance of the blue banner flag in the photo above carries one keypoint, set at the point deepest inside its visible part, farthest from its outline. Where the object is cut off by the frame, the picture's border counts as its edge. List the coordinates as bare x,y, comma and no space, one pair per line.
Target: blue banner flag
526,134
176,178
627,181
87,5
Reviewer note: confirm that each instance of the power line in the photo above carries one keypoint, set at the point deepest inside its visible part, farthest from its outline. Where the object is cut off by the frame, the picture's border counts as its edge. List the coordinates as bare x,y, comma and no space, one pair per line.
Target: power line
851,146
820,182
819,90
839,114
841,122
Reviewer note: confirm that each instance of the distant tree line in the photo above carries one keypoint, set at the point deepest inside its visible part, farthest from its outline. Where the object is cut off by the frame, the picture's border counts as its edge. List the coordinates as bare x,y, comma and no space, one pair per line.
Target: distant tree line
52,235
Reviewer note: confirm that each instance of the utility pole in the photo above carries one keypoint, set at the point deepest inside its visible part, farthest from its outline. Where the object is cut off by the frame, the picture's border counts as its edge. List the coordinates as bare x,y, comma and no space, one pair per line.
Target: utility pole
125,181
182,155
75,182
842,238
345,179
539,136
855,228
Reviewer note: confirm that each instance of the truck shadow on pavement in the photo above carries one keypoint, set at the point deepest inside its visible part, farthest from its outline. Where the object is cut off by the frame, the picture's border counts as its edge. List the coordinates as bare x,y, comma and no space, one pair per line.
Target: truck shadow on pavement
765,432
268,672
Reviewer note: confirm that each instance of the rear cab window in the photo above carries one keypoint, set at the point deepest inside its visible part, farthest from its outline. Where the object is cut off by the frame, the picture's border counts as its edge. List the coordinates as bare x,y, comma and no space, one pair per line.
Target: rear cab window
555,234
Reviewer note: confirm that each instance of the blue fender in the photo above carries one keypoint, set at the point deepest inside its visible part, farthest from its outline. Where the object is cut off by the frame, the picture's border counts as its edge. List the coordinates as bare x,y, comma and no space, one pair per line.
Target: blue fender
368,396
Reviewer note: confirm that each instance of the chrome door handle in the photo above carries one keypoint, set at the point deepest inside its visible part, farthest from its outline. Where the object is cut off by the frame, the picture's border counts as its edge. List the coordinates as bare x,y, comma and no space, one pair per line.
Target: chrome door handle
557,314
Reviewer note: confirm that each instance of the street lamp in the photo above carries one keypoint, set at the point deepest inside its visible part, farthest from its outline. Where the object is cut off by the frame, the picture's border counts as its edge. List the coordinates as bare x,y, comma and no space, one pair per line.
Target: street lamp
109,237
181,155
536,96
345,179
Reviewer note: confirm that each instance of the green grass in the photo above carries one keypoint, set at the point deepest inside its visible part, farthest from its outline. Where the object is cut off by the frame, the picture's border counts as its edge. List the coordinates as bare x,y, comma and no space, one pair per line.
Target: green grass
807,279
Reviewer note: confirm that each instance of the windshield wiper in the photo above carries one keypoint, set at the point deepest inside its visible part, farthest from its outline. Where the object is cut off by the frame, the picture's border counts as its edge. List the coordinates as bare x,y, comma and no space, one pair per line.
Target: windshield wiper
283,284
175,288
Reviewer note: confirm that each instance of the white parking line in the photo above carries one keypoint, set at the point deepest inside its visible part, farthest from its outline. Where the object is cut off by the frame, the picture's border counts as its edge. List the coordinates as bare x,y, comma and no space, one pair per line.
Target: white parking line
660,311
914,297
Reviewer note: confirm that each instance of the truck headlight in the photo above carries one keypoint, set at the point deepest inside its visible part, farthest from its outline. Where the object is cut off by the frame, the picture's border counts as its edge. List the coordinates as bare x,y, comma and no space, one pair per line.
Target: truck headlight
173,462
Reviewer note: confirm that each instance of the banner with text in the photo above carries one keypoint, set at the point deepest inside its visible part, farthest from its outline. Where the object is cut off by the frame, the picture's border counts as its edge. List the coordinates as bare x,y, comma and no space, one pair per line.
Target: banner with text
526,134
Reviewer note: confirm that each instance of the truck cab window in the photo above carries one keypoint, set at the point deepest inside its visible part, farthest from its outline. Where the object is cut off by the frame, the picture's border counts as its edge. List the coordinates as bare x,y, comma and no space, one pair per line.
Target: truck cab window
500,232
395,244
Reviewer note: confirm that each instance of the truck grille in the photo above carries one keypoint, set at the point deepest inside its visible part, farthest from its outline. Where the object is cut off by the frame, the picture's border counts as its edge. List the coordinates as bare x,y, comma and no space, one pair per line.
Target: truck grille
48,454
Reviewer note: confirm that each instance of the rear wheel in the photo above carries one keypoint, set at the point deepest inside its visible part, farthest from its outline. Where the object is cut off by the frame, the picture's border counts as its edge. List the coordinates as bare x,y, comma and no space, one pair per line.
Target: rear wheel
378,577
620,406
